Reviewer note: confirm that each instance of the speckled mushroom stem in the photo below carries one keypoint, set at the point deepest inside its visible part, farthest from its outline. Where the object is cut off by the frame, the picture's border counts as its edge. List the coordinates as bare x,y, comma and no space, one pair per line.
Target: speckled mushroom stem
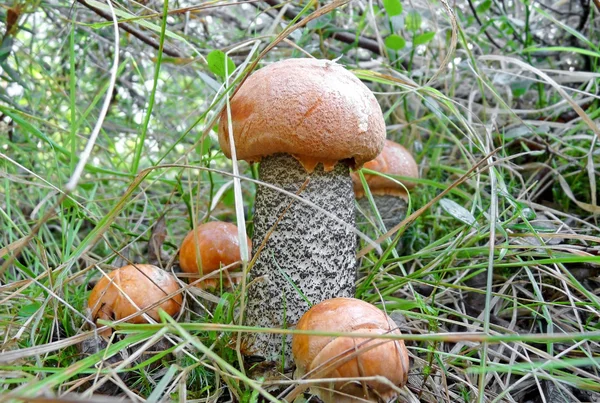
316,252
392,210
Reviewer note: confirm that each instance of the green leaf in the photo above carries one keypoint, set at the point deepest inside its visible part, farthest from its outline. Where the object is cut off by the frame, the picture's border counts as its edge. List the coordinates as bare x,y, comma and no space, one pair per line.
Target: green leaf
528,213
434,106
413,21
519,91
228,198
216,63
395,42
203,147
321,22
484,6
520,88
423,38
392,7
457,211
12,73
5,48
585,52
27,310
404,305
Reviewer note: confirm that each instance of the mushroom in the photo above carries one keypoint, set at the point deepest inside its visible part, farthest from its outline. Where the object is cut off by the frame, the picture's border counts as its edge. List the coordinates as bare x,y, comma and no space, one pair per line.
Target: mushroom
389,196
142,284
218,245
347,357
307,121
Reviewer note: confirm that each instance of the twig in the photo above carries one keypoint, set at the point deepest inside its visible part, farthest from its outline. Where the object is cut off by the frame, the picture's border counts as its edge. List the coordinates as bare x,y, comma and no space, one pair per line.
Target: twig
361,41
561,13
345,37
480,23
134,31
585,5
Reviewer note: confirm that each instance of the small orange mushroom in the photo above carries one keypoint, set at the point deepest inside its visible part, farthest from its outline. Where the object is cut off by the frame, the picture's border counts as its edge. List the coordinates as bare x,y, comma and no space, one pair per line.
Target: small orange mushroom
347,357
390,197
218,245
142,284
393,160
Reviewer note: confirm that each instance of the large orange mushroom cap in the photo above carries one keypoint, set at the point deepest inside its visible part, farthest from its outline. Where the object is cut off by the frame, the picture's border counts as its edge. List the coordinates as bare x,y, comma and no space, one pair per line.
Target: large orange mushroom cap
218,245
142,284
315,110
393,160
380,357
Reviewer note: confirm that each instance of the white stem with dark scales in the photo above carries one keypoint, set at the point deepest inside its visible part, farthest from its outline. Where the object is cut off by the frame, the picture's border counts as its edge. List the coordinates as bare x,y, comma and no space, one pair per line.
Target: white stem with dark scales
308,256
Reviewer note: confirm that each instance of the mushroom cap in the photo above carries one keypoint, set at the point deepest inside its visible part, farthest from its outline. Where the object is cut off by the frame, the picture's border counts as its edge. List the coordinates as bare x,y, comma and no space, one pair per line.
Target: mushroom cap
389,358
218,244
382,357
315,110
393,160
144,284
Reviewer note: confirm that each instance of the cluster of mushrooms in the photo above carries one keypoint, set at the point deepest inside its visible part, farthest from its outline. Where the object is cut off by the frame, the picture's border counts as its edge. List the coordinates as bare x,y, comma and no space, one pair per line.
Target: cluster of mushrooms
308,122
